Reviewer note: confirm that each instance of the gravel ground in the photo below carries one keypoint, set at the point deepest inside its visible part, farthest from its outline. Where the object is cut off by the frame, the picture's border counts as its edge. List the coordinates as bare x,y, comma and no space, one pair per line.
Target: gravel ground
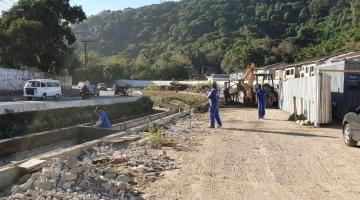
118,171
260,159
246,159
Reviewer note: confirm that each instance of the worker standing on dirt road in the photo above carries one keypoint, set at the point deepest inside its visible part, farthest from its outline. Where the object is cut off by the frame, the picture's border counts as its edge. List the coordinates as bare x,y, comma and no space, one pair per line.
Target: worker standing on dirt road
213,97
261,95
103,121
226,94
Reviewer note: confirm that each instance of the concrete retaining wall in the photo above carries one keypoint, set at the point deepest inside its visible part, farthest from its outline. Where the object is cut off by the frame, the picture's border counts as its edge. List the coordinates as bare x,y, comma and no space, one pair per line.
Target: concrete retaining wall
25,106
13,80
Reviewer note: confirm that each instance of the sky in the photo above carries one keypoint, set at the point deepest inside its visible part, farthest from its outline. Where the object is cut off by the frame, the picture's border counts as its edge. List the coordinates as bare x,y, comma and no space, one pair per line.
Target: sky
92,7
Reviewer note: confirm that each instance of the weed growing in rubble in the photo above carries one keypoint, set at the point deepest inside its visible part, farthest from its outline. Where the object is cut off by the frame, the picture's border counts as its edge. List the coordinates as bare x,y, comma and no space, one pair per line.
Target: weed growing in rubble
155,137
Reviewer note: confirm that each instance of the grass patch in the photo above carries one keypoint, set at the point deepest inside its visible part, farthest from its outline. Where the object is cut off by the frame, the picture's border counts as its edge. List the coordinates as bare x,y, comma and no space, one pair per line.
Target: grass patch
175,100
156,137
18,124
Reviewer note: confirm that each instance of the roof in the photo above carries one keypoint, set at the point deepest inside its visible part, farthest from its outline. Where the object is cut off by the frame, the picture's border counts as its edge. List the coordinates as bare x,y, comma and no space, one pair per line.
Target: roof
335,57
220,75
42,80
346,56
273,66
238,71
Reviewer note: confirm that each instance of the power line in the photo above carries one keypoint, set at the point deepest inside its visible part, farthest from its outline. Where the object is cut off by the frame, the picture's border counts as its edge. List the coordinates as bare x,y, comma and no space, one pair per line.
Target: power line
3,7
5,2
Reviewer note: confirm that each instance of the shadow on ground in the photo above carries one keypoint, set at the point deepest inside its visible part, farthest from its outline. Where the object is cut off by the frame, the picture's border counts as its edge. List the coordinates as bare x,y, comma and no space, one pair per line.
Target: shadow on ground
281,133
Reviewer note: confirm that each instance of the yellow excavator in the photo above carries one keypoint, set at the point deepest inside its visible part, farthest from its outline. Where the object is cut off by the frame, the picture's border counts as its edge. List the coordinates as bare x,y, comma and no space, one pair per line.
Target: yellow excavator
246,84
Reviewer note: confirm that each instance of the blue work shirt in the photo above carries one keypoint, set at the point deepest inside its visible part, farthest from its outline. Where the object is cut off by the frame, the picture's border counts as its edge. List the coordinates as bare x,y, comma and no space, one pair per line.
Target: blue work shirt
105,120
214,96
261,95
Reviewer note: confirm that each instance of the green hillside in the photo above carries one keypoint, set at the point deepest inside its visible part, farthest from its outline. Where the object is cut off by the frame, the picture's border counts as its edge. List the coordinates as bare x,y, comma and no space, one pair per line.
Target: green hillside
180,39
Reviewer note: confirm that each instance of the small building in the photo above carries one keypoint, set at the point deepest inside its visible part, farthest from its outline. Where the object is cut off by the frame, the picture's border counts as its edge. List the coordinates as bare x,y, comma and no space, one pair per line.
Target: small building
219,77
307,70
345,86
273,70
236,75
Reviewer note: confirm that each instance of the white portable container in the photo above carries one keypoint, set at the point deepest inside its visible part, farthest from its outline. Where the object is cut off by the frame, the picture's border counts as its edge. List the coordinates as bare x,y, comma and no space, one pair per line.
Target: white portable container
42,88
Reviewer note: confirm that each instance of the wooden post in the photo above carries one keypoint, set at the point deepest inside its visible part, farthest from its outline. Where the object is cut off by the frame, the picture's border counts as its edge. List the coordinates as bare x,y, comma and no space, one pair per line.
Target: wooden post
302,105
294,105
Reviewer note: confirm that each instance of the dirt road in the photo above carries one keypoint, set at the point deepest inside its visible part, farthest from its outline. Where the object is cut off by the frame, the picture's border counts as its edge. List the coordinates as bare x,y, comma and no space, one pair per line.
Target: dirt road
267,159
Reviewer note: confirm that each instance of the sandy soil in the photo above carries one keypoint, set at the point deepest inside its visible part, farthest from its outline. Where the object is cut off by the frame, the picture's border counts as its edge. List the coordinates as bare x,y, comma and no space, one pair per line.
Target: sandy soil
267,159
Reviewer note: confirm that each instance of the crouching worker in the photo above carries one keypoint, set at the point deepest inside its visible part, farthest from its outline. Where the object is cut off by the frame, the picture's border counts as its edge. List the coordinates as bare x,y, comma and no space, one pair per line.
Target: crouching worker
103,121
214,106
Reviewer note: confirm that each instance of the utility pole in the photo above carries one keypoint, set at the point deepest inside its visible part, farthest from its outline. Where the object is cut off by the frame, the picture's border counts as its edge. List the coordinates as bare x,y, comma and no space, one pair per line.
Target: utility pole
132,77
85,50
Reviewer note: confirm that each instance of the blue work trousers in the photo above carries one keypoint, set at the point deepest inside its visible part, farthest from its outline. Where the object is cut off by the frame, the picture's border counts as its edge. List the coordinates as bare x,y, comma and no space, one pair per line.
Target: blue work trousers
214,115
261,109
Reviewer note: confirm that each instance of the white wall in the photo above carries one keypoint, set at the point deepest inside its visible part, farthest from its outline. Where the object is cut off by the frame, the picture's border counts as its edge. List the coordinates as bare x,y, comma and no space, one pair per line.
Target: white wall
12,80
316,95
25,106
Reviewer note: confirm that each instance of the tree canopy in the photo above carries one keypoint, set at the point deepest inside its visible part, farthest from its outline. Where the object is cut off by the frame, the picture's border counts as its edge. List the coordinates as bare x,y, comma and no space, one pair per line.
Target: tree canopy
37,33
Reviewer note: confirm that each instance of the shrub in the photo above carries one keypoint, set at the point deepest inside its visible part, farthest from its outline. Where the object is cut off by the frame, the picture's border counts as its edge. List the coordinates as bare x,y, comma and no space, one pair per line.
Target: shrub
155,137
153,86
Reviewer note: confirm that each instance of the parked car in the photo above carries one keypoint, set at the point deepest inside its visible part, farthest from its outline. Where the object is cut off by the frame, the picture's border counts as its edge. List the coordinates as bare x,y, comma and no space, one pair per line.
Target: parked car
101,87
42,88
81,85
117,88
351,128
93,90
89,90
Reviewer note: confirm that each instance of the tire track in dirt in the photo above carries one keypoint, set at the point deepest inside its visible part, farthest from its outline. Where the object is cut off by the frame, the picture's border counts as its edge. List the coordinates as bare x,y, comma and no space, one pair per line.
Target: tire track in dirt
264,160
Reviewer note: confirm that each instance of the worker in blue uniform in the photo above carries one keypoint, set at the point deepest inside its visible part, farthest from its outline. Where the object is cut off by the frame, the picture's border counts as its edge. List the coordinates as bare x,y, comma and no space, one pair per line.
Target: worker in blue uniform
213,97
261,95
103,121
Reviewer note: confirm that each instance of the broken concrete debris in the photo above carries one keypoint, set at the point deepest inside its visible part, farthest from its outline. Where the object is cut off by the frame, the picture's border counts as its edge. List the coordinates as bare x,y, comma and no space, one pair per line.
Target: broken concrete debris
104,172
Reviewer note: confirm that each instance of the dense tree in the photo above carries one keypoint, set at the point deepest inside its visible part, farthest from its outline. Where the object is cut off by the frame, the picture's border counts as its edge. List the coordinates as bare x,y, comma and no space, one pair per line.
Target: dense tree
36,33
214,36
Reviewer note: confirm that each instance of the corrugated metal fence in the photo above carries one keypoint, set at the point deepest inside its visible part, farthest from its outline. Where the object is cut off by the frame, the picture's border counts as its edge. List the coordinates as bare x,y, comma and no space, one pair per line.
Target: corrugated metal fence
313,97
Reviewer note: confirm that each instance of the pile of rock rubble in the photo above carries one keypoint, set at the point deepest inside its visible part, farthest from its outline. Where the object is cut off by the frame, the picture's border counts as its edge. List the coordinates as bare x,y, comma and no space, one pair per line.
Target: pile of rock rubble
98,174
104,172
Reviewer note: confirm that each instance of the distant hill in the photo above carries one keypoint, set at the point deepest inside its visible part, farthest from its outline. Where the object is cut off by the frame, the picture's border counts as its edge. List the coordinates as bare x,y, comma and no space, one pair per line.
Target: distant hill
224,35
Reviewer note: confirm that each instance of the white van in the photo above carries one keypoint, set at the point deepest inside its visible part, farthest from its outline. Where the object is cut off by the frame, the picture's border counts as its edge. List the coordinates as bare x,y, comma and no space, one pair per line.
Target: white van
42,88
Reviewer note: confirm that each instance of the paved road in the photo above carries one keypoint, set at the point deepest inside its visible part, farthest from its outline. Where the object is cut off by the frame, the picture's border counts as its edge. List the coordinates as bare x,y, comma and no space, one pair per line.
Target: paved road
67,96
271,159
20,104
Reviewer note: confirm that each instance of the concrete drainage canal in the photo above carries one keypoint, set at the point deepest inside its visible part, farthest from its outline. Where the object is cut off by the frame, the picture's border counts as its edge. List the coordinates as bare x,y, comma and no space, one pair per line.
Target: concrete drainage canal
20,155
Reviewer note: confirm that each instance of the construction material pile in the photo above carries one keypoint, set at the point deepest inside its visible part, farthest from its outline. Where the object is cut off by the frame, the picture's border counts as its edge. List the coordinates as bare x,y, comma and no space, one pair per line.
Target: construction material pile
112,170
104,173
